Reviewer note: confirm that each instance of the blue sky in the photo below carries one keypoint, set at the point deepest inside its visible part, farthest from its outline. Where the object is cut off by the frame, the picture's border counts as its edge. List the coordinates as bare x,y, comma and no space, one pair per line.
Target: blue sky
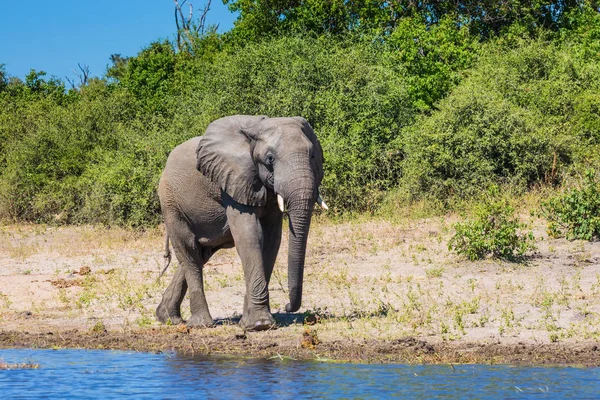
55,35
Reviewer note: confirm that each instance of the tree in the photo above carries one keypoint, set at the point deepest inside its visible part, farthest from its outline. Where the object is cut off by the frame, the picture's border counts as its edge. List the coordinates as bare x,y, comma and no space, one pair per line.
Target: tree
149,75
190,31
3,78
83,75
118,68
260,18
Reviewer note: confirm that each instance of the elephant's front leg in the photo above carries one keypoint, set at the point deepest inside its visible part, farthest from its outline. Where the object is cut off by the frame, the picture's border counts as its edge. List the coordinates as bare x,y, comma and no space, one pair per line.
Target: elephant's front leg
247,233
271,226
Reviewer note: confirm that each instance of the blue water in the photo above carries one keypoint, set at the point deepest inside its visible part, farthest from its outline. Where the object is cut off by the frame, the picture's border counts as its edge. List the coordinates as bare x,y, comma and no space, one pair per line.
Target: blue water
114,374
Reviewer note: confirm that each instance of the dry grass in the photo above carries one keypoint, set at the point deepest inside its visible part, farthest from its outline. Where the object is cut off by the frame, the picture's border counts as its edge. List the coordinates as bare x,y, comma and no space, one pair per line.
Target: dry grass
367,280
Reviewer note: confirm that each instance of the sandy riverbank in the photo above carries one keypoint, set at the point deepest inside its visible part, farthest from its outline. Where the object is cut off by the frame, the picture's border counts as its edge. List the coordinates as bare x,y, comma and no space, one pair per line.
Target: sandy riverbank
374,291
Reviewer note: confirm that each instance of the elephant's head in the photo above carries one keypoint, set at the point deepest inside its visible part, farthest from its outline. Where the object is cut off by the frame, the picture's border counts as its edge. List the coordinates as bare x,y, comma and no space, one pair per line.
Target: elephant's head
255,158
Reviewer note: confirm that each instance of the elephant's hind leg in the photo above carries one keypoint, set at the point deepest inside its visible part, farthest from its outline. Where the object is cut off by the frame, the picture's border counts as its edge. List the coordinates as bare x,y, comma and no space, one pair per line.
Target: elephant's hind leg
191,257
169,308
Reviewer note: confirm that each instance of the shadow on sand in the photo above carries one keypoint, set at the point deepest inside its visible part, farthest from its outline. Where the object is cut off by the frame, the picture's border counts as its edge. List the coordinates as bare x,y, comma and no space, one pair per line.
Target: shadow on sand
282,319
311,317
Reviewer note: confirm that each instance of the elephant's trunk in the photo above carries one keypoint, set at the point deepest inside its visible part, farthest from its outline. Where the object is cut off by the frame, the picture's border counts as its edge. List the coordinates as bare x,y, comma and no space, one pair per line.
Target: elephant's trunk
299,226
299,193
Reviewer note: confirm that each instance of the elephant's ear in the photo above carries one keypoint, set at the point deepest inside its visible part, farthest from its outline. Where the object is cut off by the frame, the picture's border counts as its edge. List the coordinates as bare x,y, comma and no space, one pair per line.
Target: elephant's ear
224,155
318,159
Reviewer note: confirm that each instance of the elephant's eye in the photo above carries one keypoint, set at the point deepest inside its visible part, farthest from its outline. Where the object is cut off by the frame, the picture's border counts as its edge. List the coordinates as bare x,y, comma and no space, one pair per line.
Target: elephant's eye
269,159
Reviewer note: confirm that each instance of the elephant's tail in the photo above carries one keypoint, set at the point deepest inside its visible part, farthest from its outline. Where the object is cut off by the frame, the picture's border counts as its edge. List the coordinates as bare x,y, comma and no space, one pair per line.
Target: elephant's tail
167,256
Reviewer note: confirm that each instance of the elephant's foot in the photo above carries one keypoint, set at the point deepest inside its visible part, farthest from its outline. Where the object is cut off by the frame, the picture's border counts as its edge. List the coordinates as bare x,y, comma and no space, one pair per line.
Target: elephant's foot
257,321
165,316
200,320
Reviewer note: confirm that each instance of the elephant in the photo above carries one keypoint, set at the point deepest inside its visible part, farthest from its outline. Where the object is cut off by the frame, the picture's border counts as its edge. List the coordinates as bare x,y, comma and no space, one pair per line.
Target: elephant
229,188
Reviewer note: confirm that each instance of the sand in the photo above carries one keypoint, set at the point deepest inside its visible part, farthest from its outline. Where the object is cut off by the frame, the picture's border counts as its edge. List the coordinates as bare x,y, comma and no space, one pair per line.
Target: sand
374,291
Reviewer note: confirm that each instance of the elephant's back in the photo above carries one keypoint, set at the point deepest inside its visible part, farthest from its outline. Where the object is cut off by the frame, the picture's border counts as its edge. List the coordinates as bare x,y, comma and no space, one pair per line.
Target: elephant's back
180,175
183,156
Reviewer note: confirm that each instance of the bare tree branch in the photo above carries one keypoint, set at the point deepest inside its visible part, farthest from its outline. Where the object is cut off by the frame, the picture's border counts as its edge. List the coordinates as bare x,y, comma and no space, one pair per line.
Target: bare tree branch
178,30
187,31
71,82
179,16
202,22
85,74
178,8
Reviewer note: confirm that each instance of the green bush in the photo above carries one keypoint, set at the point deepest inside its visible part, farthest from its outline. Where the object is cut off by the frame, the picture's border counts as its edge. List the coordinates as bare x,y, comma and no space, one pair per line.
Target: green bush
395,105
525,116
354,97
493,231
434,56
87,160
575,214
98,156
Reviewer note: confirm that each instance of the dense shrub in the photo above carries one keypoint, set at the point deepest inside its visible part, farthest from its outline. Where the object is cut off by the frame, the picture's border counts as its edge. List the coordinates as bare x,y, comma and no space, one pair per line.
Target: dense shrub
575,214
98,158
149,76
393,99
434,56
524,116
57,155
493,231
355,100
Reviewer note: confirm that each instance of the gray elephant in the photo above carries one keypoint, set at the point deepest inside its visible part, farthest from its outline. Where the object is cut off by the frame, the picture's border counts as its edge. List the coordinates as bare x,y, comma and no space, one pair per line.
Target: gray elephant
229,188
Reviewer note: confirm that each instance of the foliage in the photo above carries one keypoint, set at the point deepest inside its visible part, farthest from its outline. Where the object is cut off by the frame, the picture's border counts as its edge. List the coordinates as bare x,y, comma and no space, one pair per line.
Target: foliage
493,231
97,157
575,213
352,95
58,154
434,56
264,18
428,99
260,18
525,116
148,76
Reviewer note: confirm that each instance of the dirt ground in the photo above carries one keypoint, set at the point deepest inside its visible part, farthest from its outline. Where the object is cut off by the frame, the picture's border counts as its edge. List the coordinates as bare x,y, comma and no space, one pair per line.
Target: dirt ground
374,291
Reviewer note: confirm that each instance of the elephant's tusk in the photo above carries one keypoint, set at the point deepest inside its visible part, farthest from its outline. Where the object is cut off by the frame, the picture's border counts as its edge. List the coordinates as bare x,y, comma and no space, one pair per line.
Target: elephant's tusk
280,202
321,202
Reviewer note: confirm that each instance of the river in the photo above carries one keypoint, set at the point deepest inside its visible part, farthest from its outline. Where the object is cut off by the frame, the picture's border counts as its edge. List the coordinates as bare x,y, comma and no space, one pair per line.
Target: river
115,374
